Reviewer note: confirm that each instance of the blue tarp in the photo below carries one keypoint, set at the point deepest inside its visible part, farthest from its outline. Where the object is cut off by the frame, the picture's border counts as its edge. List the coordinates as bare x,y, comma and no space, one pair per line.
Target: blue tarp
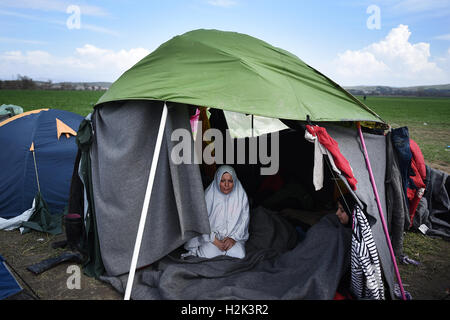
8,283
54,161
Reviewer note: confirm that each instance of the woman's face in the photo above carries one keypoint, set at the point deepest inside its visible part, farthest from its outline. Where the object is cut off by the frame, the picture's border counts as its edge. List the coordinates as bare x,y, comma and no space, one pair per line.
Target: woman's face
341,214
226,183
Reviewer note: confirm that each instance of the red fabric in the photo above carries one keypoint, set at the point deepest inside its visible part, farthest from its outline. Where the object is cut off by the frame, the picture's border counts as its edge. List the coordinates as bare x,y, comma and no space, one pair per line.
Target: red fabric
339,296
413,204
417,158
417,178
342,296
332,146
73,216
420,171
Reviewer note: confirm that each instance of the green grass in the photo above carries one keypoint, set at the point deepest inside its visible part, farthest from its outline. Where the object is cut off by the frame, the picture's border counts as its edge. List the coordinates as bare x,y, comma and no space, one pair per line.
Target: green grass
428,121
80,102
401,111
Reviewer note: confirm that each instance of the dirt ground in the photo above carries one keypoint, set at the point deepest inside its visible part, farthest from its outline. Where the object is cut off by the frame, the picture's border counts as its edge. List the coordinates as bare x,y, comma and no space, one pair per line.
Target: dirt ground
428,281
58,283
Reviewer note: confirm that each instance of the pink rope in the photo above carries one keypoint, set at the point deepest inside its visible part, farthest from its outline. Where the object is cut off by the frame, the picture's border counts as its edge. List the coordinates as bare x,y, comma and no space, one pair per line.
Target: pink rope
380,210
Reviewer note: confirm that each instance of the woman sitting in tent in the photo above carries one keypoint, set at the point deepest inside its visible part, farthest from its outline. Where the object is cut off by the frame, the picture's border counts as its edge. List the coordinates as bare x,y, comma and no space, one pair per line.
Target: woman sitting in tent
228,213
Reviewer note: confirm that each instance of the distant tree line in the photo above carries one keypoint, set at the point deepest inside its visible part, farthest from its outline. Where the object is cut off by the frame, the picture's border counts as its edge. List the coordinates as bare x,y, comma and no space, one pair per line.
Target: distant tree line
389,91
22,82
27,83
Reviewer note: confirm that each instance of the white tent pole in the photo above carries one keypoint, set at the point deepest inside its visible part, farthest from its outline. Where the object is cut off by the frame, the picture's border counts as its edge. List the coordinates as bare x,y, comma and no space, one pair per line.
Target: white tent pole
146,203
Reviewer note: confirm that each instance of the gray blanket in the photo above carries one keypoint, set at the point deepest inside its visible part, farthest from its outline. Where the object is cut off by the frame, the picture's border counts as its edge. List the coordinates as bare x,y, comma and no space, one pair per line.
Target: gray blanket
276,266
121,159
434,207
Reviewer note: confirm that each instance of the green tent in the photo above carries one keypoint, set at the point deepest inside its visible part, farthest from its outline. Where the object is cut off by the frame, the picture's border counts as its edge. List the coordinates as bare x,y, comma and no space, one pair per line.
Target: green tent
128,143
236,72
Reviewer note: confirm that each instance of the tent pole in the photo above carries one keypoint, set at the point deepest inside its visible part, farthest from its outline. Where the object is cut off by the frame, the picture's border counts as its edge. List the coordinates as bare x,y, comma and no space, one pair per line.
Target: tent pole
252,125
146,203
35,167
380,210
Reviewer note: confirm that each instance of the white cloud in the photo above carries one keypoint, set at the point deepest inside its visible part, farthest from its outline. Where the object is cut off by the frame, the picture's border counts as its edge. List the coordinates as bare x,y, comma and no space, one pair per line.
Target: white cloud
53,5
443,37
421,6
88,63
418,9
99,29
222,3
83,25
359,63
444,60
392,61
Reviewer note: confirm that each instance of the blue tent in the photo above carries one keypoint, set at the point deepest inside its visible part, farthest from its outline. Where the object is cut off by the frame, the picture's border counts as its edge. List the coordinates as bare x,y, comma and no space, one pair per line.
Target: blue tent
37,151
8,283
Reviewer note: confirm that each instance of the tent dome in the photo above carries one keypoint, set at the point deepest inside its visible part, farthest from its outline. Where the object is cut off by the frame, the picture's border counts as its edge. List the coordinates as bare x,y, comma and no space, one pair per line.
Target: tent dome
51,133
237,72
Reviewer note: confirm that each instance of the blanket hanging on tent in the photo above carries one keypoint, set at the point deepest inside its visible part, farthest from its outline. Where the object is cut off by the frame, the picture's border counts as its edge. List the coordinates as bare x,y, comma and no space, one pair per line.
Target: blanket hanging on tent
332,146
366,281
93,266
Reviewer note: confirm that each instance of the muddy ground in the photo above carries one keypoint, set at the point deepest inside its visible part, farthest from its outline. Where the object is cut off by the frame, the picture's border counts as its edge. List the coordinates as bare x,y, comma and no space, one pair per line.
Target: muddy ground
428,281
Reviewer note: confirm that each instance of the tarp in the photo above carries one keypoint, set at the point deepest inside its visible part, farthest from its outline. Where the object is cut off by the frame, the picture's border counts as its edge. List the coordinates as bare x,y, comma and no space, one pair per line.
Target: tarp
41,219
54,160
8,283
9,110
237,72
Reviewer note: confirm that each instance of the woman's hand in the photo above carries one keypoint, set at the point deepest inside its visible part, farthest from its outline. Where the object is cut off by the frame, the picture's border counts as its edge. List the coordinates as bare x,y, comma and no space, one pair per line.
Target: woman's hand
228,243
219,244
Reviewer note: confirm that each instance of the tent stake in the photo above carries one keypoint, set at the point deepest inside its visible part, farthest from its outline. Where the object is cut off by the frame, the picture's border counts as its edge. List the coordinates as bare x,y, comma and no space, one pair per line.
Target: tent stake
380,210
146,203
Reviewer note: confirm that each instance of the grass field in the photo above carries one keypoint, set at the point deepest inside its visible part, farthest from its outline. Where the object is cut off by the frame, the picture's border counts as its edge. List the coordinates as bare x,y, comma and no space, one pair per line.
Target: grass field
80,102
427,118
428,122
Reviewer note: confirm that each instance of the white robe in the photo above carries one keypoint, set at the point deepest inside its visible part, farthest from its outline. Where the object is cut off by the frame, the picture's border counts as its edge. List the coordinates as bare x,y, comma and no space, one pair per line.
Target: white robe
228,217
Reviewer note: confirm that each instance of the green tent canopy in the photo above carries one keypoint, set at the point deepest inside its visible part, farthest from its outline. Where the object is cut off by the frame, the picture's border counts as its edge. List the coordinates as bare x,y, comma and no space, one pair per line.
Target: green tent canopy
236,72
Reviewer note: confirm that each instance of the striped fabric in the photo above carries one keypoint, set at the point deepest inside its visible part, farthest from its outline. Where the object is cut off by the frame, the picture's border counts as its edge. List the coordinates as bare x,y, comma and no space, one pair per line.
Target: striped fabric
366,281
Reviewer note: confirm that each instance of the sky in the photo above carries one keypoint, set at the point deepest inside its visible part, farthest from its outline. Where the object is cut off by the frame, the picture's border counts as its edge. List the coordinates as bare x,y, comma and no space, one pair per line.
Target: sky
386,42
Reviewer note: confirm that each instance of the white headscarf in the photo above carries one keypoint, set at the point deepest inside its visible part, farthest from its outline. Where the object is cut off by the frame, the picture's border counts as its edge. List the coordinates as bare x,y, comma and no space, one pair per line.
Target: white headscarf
228,213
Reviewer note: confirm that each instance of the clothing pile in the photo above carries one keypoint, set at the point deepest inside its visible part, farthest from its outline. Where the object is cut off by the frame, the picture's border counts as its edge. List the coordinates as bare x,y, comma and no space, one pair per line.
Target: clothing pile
425,189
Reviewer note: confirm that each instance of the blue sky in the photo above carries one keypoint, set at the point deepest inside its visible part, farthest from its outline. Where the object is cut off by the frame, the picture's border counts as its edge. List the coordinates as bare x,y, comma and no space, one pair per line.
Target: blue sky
387,42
